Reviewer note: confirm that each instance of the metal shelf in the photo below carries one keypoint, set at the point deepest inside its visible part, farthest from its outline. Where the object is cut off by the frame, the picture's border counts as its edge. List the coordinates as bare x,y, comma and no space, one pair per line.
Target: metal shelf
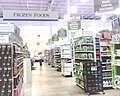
106,62
84,51
107,77
106,70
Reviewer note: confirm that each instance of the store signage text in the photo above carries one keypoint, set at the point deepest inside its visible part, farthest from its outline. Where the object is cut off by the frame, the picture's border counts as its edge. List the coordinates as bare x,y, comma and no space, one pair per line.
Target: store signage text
105,5
74,25
29,15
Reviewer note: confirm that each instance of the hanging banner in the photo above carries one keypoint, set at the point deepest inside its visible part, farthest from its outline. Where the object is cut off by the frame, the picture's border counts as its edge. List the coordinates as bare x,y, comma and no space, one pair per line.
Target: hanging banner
49,41
62,33
55,37
102,6
29,15
74,24
116,23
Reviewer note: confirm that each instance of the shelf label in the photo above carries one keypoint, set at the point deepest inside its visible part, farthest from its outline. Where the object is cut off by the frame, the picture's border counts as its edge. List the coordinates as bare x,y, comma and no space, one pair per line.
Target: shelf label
93,68
4,38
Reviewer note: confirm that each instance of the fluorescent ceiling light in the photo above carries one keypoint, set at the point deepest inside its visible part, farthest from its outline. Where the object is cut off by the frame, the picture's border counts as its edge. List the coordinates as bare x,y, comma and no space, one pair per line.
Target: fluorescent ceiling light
117,11
104,18
73,9
84,1
93,23
66,17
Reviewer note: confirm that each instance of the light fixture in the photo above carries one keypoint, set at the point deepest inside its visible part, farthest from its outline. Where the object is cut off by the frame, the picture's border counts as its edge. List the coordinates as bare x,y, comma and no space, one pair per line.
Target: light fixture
104,18
66,17
84,1
73,9
117,11
93,23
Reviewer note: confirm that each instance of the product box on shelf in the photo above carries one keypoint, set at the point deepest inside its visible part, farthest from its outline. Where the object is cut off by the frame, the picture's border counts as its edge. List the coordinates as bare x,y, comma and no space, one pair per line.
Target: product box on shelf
105,34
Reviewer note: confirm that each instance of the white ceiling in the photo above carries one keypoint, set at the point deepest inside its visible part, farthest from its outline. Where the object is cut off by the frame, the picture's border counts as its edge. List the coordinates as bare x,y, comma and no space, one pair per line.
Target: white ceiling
61,6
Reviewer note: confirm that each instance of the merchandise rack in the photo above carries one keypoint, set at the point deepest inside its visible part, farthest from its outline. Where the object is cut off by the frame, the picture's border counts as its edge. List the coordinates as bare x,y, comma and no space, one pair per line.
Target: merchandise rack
115,56
52,58
11,79
106,62
57,58
47,56
88,66
66,60
11,58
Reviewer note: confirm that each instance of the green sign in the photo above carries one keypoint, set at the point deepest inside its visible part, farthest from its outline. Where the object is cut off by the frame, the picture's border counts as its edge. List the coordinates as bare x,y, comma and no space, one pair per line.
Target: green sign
113,64
62,33
74,24
55,37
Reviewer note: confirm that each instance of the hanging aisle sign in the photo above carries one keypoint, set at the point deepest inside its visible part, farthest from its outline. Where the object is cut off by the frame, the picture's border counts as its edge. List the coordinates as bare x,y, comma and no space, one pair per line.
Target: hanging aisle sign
29,15
74,24
62,33
55,37
101,6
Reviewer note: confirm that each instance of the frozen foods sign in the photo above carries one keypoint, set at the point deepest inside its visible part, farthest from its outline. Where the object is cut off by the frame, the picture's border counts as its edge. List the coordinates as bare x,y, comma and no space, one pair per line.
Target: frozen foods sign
105,5
29,15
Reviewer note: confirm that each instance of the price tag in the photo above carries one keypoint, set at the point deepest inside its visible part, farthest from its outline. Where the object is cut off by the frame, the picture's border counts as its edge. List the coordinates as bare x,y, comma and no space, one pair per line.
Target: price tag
93,68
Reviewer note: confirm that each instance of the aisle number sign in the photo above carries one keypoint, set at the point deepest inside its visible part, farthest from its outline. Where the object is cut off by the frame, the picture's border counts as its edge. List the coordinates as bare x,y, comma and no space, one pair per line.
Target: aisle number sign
74,24
4,38
29,15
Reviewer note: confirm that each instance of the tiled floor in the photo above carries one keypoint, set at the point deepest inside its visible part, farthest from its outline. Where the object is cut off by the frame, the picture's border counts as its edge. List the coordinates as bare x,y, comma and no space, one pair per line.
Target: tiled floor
48,82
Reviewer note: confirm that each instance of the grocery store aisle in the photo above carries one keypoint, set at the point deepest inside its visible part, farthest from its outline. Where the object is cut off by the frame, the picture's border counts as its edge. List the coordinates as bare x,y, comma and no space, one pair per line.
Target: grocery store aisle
48,82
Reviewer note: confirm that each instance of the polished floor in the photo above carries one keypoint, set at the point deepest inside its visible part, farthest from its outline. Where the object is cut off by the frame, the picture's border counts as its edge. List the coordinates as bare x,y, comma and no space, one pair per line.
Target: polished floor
46,81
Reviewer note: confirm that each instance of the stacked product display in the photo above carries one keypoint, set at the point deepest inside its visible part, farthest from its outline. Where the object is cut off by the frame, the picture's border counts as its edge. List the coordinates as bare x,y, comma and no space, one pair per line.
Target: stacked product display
66,60
105,41
57,58
11,78
106,62
88,65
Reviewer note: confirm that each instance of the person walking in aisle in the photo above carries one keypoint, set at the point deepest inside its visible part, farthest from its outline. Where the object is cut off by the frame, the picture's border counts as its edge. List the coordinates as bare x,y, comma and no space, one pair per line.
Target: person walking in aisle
40,58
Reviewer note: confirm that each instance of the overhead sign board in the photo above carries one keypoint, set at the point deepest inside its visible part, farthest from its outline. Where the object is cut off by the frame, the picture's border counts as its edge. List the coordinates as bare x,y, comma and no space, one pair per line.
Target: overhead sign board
74,24
29,15
101,6
4,38
6,28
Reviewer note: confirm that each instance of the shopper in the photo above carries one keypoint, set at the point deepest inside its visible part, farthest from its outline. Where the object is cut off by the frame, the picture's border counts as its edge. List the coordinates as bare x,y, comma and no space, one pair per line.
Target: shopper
40,58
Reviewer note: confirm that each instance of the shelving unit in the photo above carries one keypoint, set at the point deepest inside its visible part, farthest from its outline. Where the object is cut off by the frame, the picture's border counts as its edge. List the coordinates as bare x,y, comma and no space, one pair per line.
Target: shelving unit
88,65
115,52
47,56
52,57
66,60
17,69
106,62
11,59
57,58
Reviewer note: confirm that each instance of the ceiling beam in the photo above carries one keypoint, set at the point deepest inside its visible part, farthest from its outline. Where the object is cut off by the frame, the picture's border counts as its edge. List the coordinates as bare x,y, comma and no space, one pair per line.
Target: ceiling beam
51,3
